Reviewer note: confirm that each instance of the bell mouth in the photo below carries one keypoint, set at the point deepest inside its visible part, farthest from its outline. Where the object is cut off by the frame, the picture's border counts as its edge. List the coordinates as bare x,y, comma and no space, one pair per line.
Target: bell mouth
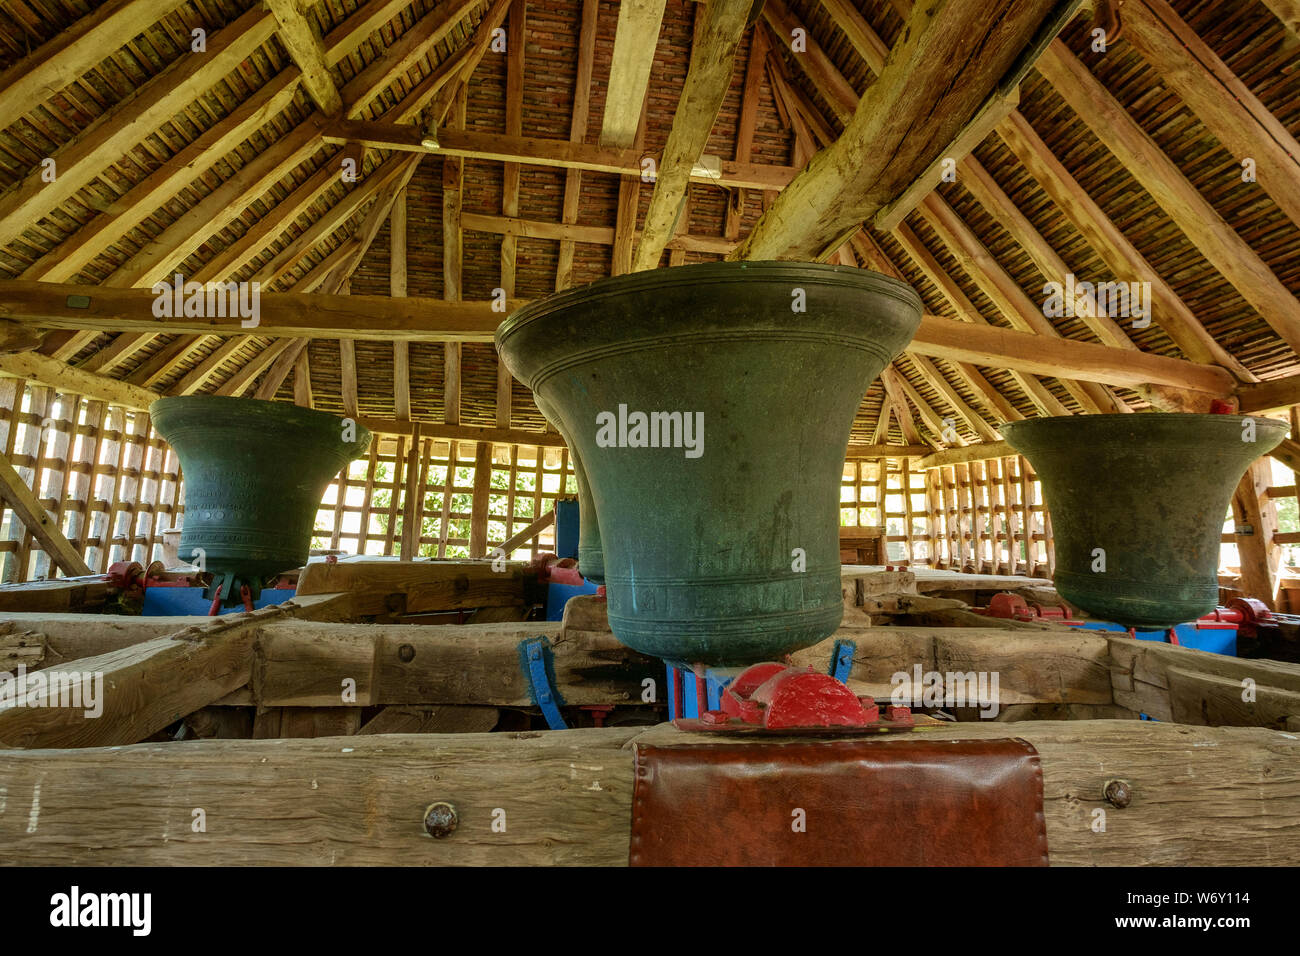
709,301
1167,427
181,413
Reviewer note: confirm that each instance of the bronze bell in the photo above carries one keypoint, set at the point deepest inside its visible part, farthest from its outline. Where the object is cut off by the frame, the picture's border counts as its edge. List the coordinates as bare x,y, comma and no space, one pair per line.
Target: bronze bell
591,562
255,473
1138,503
710,407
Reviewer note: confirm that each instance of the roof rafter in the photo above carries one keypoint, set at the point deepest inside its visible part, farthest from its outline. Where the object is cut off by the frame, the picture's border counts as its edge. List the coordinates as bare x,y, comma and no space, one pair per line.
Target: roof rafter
307,51
707,81
912,112
639,22
1147,163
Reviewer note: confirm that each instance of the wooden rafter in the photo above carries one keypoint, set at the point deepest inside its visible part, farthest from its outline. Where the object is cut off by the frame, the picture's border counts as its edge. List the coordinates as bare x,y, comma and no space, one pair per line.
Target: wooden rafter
307,51
629,76
397,286
453,184
510,184
1180,323
798,105
1218,98
915,108
404,53
538,151
577,134
157,259
1221,246
994,400
1288,11
1123,258
119,129
707,81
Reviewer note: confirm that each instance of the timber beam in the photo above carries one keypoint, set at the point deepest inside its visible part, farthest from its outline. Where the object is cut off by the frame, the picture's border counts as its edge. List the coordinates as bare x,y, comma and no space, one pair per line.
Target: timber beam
1065,358
124,696
1205,795
536,151
713,56
28,509
416,319
910,115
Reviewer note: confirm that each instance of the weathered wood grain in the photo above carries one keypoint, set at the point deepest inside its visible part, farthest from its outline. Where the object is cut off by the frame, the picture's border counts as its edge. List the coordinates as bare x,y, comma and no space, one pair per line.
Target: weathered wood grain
138,690
381,587
306,665
1196,687
1201,796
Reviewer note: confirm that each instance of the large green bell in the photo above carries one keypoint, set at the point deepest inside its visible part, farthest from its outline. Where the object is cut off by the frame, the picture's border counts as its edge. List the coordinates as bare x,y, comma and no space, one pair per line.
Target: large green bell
255,473
1138,504
591,562
710,406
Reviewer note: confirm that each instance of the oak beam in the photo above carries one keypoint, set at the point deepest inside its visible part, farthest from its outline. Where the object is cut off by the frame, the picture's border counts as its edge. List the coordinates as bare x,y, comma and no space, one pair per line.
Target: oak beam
707,81
629,73
916,107
1221,246
115,132
1063,358
69,379
22,501
307,51
538,151
1219,99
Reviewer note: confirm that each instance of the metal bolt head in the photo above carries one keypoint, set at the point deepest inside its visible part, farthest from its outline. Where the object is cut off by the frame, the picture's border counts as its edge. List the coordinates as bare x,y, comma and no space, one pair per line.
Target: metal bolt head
440,819
1118,793
406,653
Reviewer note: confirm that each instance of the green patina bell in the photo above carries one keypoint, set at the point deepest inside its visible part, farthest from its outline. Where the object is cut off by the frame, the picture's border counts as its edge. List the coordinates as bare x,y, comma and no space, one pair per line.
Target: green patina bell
1137,505
255,473
710,407
591,562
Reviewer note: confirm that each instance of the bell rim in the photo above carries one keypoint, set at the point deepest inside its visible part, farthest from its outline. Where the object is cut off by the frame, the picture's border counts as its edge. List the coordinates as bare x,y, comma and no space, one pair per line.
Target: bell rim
710,273
295,415
1138,420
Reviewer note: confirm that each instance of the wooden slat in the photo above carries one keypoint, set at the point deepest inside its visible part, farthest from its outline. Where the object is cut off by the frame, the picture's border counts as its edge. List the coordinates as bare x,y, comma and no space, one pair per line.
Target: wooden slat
27,509
629,76
307,51
707,81
1223,248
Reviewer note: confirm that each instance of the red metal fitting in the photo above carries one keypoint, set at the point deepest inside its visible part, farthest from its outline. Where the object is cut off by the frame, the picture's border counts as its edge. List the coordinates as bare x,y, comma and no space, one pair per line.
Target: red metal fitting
598,712
898,715
127,576
777,696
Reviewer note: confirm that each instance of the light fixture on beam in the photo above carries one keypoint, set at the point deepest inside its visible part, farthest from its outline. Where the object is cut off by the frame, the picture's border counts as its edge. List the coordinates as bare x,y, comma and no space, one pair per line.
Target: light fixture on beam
707,166
429,137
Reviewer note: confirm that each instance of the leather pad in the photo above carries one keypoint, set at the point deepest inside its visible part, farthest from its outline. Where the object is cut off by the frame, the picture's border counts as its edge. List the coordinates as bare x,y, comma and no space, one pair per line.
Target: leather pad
905,802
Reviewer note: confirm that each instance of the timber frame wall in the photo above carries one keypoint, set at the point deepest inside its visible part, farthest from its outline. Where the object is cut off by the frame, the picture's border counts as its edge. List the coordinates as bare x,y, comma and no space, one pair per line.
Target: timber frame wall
112,487
982,517
109,482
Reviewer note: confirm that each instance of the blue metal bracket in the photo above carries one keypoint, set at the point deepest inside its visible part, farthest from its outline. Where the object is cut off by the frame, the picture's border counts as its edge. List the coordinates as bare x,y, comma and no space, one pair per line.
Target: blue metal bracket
842,660
537,664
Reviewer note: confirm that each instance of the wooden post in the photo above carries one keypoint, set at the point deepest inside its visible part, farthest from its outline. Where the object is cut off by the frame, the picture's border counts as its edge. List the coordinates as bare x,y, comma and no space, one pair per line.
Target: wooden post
412,504
1260,554
478,522
31,513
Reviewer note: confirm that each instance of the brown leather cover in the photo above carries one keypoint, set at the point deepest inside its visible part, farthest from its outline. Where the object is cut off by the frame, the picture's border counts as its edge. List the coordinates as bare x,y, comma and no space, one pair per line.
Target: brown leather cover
906,802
